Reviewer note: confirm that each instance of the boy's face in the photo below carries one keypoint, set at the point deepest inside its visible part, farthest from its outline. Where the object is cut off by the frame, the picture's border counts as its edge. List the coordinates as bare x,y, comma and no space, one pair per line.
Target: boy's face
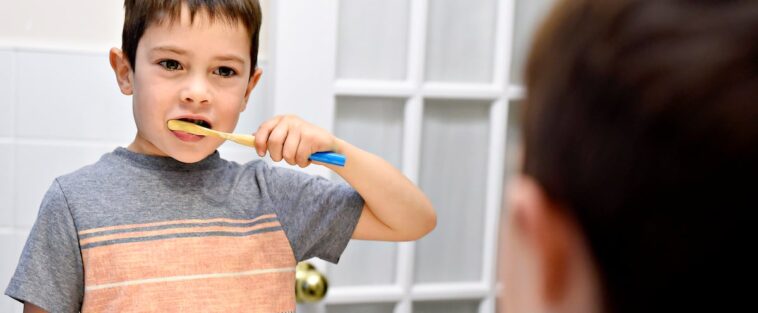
196,70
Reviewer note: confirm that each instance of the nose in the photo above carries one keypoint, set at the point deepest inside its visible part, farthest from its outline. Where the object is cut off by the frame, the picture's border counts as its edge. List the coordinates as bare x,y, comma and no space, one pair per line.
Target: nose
196,90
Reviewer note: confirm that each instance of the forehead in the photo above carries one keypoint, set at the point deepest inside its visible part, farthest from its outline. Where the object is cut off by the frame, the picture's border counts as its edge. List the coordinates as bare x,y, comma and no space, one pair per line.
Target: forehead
186,16
199,31
199,19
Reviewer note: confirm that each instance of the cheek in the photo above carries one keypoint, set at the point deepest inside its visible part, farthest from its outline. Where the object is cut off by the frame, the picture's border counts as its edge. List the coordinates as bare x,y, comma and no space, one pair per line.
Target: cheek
155,94
146,106
235,102
517,273
228,118
228,108
150,108
508,263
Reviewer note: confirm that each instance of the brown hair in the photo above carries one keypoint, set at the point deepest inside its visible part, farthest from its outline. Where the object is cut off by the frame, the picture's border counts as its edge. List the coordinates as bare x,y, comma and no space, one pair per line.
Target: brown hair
141,13
641,119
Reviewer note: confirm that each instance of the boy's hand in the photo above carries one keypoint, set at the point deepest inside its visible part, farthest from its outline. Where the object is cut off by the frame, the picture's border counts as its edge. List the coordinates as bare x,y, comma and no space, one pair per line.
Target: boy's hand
291,138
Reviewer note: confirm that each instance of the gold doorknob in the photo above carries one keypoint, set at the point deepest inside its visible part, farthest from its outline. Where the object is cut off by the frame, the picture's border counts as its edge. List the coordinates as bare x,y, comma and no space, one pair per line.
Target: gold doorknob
310,284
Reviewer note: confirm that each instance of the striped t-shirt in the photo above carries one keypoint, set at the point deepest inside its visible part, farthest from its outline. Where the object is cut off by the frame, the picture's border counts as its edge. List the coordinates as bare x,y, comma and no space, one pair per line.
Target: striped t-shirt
137,233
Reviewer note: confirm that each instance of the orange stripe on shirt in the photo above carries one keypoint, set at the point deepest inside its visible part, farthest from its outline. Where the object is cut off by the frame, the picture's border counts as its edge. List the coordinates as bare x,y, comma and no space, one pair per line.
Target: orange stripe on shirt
267,293
186,256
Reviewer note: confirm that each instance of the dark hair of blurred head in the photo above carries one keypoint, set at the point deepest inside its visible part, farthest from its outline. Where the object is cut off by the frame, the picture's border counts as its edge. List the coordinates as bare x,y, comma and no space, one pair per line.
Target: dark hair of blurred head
641,120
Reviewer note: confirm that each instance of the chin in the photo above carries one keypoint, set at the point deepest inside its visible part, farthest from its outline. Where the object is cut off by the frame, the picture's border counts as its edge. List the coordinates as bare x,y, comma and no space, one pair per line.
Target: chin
191,156
184,158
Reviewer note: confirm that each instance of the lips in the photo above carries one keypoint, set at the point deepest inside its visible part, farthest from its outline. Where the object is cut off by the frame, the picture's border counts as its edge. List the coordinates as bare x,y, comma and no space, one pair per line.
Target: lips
197,120
184,136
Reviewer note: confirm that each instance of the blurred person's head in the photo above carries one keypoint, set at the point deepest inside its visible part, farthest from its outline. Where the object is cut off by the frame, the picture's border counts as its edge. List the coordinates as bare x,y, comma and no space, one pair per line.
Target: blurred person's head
640,160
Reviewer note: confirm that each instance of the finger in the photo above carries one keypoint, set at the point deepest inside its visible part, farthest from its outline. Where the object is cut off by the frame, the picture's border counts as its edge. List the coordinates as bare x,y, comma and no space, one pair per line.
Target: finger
263,133
289,150
303,154
276,141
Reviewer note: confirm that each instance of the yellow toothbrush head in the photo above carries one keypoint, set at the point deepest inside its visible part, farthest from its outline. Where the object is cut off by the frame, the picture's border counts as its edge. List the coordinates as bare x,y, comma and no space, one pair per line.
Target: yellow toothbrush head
189,128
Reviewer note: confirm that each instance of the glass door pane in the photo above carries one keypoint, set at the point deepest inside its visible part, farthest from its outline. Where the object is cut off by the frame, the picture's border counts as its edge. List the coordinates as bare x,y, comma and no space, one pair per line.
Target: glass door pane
513,141
362,308
453,173
373,39
460,40
365,263
529,14
375,125
372,124
466,306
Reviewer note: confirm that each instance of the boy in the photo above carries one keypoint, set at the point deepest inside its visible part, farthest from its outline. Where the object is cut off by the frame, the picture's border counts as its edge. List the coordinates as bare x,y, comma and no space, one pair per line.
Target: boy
166,224
641,153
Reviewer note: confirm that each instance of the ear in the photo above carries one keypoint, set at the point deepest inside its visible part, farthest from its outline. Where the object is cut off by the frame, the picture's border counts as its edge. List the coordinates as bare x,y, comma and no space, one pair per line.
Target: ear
546,228
254,78
123,71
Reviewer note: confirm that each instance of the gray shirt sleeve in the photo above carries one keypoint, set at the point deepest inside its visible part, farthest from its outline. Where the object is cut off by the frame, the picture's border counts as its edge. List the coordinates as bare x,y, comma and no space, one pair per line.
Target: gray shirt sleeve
318,215
49,273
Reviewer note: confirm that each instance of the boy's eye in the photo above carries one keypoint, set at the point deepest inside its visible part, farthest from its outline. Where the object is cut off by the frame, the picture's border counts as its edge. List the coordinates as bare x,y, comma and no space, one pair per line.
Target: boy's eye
171,65
225,71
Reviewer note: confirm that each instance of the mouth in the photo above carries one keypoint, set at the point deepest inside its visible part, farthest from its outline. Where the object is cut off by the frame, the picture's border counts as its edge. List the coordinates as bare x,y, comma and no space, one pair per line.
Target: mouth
202,123
187,137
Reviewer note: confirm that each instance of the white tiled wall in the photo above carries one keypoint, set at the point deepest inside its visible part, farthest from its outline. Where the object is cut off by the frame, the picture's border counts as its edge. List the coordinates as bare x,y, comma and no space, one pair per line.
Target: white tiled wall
59,111
7,92
11,243
57,92
37,164
6,185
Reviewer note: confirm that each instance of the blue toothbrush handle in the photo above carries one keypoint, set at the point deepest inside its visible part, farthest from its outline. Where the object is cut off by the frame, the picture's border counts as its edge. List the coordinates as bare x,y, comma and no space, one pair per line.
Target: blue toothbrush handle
329,157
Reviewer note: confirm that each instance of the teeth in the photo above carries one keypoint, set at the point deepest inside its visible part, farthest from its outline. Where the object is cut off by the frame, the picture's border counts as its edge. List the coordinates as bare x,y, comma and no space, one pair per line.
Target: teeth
196,122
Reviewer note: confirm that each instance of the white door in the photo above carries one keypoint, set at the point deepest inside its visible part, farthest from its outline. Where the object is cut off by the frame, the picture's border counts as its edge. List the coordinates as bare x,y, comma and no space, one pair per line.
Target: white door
431,86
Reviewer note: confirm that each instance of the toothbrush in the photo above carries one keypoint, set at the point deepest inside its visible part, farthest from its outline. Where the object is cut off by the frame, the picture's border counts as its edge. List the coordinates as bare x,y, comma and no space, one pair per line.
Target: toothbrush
248,140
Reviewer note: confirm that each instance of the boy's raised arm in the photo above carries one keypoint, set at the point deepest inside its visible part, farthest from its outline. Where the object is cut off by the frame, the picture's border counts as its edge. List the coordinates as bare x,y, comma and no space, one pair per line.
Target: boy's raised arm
395,209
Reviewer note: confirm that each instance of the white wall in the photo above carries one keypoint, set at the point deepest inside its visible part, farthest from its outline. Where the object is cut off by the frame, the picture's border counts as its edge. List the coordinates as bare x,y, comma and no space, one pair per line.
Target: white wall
78,23
73,24
61,108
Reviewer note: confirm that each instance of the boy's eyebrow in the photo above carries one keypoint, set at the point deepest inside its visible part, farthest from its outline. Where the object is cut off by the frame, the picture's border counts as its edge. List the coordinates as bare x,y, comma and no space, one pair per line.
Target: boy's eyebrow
223,57
231,57
170,49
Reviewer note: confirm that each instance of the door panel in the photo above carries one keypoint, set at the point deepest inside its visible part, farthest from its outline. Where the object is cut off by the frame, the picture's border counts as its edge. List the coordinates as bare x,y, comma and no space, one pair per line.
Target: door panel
375,125
460,41
446,307
372,40
529,13
362,308
453,174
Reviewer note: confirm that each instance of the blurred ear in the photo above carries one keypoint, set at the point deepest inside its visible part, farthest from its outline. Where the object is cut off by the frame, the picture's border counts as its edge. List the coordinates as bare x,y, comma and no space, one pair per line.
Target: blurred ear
254,78
123,71
546,228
